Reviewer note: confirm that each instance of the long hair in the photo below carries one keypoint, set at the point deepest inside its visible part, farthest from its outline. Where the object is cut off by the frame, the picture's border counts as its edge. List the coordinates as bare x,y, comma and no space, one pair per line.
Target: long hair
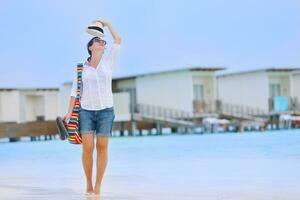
90,43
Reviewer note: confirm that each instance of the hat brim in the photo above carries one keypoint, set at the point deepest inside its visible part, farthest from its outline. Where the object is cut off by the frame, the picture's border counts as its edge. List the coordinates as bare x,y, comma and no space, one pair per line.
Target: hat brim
94,32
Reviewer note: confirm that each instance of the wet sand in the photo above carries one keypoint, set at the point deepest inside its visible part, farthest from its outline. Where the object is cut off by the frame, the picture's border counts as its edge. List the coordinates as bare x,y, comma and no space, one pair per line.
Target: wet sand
260,166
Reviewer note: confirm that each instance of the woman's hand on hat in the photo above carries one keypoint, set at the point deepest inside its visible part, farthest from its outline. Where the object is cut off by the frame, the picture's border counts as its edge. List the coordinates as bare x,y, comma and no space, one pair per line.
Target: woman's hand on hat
116,36
103,22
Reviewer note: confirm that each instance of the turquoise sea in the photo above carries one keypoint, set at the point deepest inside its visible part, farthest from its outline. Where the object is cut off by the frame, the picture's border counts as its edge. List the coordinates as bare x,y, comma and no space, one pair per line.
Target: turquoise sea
227,166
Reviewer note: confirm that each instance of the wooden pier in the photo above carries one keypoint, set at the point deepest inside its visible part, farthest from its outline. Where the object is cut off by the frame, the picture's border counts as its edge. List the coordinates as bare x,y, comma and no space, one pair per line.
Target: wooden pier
149,117
35,130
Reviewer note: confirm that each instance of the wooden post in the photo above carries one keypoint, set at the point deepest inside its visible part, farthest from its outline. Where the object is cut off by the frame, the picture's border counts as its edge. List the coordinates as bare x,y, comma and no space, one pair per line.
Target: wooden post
241,129
158,129
32,138
122,129
132,128
14,139
174,129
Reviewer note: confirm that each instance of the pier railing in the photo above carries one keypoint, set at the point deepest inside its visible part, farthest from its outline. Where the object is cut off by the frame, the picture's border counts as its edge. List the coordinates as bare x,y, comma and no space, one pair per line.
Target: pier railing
242,110
208,108
163,112
200,107
229,109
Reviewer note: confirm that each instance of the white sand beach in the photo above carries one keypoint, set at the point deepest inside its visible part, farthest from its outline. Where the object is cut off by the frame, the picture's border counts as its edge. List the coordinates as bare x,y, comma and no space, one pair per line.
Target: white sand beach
254,165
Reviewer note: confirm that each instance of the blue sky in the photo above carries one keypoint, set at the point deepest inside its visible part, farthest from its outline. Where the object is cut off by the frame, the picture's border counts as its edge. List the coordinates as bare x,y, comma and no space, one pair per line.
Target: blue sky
41,41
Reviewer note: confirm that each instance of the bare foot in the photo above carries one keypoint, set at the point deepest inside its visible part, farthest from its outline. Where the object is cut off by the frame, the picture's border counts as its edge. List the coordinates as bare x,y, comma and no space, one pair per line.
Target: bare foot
97,189
89,188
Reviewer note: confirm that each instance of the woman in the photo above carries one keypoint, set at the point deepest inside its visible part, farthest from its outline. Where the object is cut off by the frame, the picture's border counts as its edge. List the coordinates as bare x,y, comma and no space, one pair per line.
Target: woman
97,112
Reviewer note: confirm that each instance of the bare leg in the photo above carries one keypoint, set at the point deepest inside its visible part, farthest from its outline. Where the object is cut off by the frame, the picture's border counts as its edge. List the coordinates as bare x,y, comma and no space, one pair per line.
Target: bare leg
102,144
87,159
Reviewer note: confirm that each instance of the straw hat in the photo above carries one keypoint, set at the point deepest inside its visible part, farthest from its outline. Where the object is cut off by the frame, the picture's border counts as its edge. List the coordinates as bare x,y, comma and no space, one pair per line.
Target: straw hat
95,29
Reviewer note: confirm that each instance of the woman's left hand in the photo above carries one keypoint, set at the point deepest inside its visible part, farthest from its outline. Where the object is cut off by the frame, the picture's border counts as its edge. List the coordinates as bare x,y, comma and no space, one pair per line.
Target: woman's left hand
115,34
103,22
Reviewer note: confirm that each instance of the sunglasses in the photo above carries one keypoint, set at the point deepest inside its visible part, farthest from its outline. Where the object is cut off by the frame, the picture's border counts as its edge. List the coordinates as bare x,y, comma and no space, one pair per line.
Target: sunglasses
103,42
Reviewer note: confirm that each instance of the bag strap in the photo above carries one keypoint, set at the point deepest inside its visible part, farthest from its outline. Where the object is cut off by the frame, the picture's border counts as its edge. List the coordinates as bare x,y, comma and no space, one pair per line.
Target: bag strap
79,80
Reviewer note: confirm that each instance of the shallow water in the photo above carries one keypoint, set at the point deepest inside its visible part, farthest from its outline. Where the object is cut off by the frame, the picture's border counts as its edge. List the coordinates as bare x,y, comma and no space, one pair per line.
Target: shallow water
254,165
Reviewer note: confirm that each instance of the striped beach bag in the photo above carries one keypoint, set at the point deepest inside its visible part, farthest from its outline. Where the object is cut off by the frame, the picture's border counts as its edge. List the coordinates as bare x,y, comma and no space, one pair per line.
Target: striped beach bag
71,130
74,135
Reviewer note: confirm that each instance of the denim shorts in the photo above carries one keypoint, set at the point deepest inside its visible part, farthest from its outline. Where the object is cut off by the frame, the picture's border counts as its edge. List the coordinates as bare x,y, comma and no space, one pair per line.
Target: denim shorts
100,121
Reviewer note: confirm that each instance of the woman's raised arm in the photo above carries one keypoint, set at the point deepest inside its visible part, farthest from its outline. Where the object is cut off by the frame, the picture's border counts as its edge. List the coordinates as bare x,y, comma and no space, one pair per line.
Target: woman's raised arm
116,36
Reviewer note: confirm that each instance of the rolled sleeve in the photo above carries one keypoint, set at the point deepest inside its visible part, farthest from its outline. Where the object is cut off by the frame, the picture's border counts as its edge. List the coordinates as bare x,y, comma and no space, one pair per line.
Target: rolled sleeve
113,55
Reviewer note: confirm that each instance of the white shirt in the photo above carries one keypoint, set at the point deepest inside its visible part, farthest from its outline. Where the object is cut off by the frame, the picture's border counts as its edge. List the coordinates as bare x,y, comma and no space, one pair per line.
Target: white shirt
96,90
